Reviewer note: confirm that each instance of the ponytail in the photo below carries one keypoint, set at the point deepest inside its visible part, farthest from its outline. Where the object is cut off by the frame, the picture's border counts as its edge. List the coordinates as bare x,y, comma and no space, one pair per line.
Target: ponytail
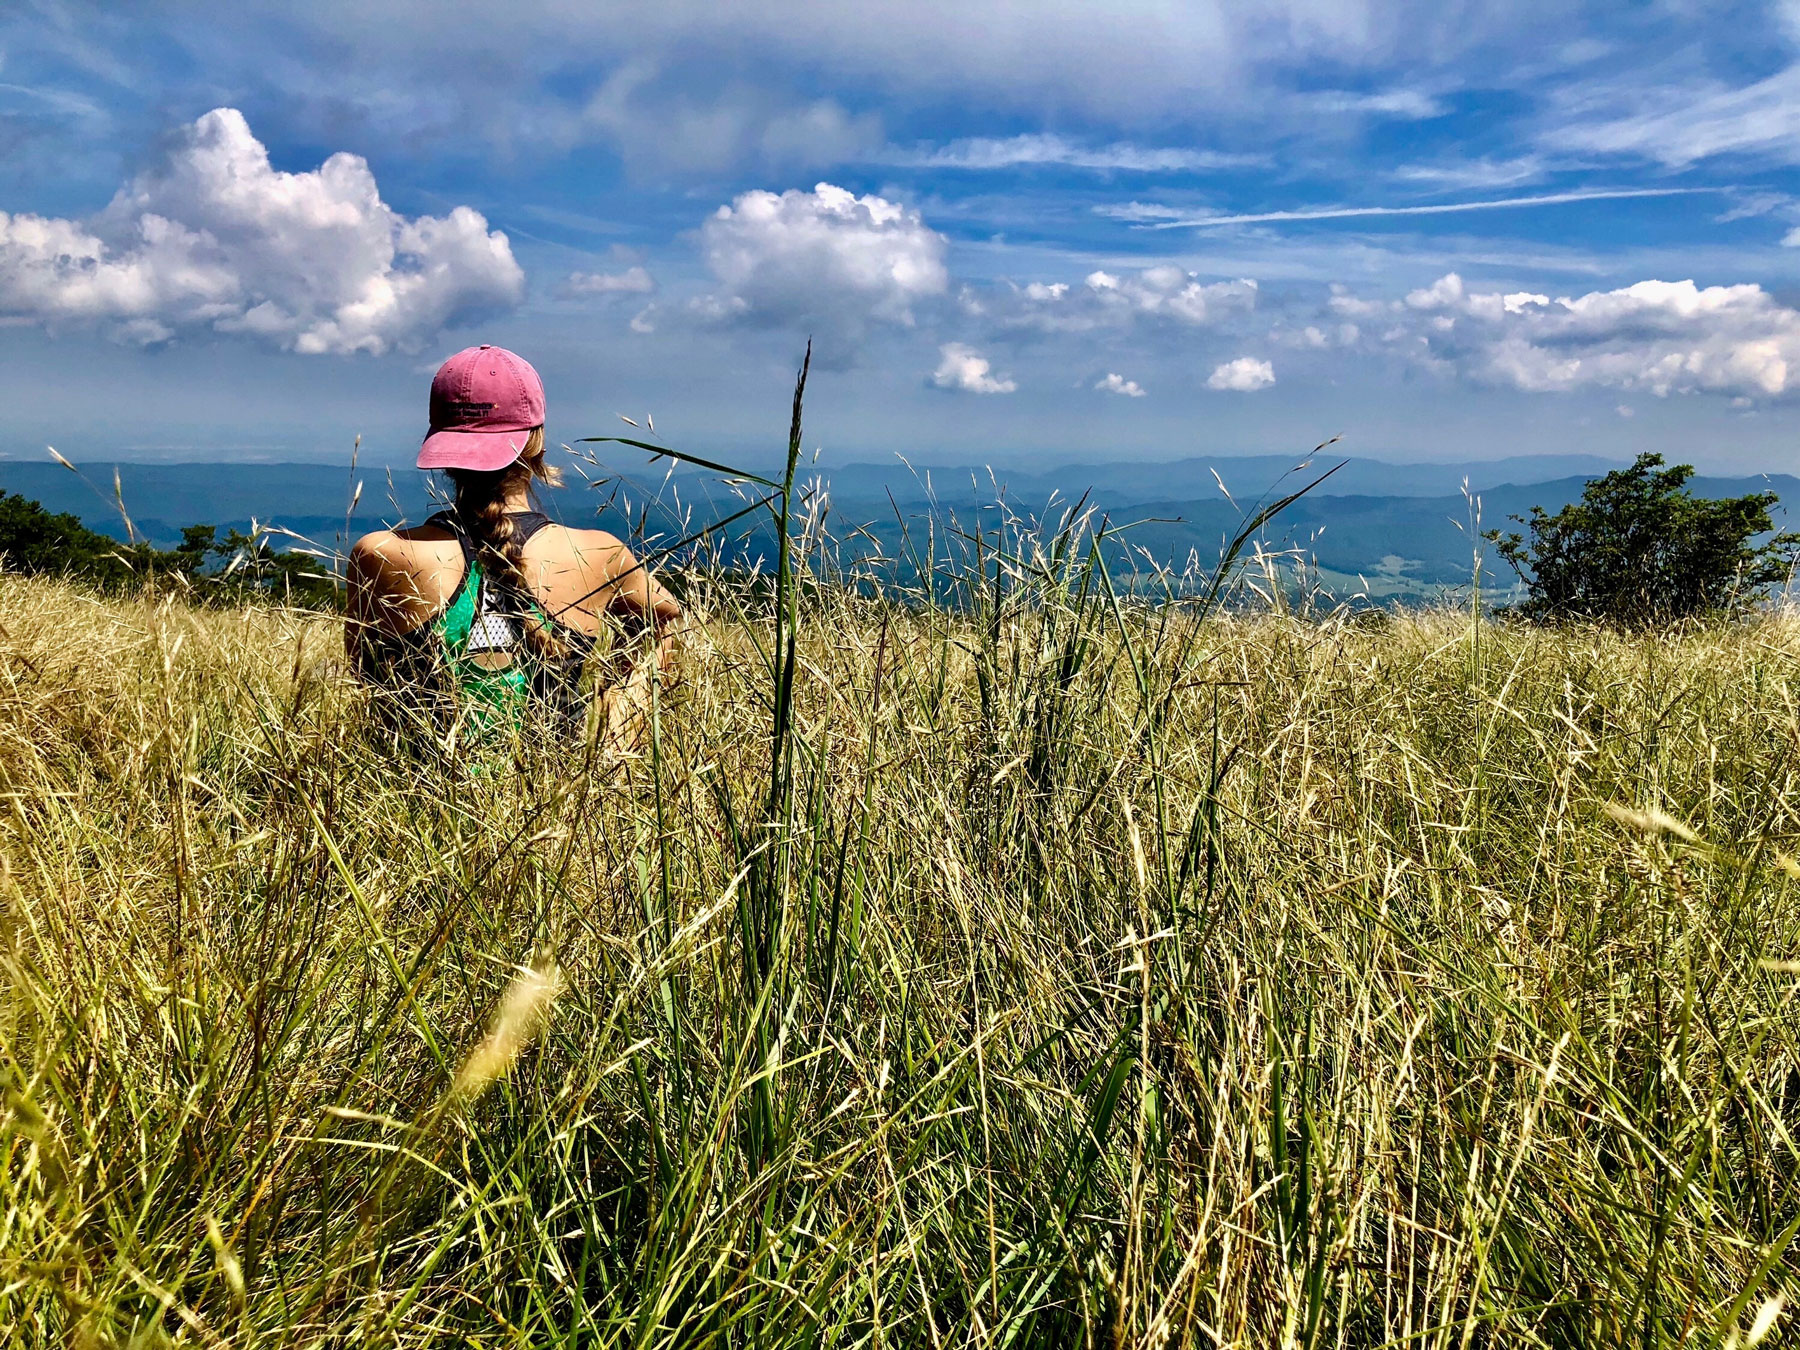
481,506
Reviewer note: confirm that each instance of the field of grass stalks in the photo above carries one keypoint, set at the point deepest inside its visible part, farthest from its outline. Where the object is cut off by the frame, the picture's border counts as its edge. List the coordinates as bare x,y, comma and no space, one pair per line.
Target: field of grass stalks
1046,970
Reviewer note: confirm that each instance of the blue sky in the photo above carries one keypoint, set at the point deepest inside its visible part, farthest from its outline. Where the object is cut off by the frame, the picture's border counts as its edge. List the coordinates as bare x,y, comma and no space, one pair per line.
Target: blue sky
1017,233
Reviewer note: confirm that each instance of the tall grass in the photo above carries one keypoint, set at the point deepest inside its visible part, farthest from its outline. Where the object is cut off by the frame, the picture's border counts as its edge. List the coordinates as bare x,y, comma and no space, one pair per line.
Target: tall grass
1050,967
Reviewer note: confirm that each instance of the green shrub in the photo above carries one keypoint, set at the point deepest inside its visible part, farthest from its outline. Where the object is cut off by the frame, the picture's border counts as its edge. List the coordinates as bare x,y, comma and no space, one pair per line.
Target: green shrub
1639,549
36,542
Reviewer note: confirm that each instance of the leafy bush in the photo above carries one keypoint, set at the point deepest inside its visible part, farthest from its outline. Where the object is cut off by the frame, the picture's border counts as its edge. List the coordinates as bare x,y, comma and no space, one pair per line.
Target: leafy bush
1639,549
38,542
33,540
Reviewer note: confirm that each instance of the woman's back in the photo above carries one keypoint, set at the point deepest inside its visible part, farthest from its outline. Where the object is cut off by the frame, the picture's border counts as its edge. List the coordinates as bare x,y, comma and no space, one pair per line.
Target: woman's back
490,607
400,580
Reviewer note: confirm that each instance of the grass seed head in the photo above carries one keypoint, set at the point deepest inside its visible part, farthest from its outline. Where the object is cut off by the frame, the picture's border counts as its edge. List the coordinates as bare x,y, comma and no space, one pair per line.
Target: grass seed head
229,1269
1651,821
521,1015
1766,1317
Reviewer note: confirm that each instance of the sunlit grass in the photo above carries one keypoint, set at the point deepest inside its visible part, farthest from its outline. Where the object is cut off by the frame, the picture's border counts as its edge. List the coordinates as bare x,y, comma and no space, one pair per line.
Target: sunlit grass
1070,971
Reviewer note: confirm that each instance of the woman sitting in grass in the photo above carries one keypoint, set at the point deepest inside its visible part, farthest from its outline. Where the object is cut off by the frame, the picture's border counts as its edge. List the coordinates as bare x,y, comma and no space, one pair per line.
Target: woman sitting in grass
488,612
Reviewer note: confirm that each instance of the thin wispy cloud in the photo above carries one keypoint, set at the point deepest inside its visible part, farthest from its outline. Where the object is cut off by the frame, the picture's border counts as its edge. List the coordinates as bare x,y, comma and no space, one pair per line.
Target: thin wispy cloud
985,153
1139,211
1474,175
1755,205
1143,215
1404,104
1683,126
632,281
60,101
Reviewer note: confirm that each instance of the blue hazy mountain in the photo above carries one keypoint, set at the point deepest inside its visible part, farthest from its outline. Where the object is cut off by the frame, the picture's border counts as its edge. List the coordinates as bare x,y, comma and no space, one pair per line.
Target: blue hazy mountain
1245,476
1404,528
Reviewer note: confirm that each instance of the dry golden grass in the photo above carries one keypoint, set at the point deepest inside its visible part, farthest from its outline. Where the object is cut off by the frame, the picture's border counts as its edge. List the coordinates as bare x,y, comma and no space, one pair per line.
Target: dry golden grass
1086,973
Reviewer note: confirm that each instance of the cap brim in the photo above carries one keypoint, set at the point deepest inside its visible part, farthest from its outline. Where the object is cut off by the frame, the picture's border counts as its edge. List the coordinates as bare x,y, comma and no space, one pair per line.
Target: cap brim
484,451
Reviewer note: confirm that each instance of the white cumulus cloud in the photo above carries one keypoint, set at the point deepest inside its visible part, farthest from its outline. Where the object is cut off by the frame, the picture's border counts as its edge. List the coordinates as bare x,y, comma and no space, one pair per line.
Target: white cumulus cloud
216,237
964,368
1164,296
632,281
1118,384
826,259
1665,337
1244,375
1171,292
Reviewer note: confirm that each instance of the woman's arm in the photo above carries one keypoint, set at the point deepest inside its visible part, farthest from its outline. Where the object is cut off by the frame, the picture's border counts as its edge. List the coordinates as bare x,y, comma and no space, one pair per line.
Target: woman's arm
628,594
615,585
362,583
390,585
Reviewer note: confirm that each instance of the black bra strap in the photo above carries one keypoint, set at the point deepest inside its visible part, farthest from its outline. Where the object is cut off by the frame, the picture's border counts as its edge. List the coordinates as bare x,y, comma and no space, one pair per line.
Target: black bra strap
527,523
449,520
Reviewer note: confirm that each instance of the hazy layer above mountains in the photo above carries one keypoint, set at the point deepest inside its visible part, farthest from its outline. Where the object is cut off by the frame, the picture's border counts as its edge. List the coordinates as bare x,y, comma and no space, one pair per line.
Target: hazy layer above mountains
224,493
1403,528
1245,477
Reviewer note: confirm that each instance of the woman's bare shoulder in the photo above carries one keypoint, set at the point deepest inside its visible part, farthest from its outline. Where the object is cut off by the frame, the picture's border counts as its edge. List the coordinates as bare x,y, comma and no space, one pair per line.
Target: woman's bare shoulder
595,539
421,561
588,548
374,553
400,545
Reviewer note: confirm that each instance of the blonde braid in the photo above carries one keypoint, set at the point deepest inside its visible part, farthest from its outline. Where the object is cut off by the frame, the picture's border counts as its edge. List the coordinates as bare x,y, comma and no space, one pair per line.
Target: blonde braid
481,504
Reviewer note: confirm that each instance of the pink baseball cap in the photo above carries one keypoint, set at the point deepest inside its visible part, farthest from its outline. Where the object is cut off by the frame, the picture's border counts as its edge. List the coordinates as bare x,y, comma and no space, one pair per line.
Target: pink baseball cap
485,402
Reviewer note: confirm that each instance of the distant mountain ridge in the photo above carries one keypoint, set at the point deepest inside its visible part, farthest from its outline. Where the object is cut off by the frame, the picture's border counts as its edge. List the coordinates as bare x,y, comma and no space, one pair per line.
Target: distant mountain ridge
1245,476
1399,529
222,492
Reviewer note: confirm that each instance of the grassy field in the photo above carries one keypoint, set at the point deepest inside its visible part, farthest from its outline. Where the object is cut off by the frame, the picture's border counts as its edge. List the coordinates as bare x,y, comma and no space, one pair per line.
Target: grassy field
1046,971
